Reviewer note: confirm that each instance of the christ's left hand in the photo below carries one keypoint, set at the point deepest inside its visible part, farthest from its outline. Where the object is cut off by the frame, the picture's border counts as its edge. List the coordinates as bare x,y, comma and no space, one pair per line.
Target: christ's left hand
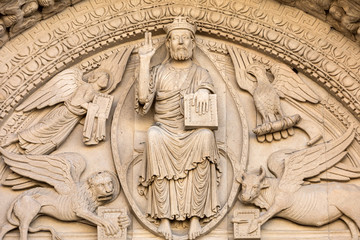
201,101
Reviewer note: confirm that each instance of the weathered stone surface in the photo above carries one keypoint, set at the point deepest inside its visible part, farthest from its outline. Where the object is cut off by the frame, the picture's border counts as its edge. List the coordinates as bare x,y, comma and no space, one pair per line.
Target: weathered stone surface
194,118
242,219
117,217
287,102
343,15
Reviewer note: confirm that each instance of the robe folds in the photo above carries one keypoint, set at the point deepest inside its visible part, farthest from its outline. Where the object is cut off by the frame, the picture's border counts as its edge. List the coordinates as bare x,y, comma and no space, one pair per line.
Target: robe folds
52,130
180,171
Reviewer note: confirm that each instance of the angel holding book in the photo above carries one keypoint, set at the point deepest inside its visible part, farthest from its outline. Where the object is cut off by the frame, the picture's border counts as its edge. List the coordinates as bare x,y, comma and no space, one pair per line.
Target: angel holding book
73,99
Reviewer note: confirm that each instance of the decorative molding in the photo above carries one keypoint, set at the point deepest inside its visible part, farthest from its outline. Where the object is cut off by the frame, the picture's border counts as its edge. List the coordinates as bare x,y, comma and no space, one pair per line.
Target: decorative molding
87,35
17,16
291,36
344,16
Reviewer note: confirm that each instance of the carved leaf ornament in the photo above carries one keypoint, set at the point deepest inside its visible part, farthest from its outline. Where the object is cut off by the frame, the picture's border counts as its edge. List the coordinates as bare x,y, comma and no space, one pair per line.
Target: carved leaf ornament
314,70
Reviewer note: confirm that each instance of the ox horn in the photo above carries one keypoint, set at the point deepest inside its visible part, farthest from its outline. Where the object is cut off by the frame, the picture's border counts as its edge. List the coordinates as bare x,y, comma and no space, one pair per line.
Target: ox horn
262,173
240,178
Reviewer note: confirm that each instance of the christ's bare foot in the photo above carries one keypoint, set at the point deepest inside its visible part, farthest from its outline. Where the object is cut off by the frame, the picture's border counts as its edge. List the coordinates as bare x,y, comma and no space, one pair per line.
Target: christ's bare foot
195,228
165,229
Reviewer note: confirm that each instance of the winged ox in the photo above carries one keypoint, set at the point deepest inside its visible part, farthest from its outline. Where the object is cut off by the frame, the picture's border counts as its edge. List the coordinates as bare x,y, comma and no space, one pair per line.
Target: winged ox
286,195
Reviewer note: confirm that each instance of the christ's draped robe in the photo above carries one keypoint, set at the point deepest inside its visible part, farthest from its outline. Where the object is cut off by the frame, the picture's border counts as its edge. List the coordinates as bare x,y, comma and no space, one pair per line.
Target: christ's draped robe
180,171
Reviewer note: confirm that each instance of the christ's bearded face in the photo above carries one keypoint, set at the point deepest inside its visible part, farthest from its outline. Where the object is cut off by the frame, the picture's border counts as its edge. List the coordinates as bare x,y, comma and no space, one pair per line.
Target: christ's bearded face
180,44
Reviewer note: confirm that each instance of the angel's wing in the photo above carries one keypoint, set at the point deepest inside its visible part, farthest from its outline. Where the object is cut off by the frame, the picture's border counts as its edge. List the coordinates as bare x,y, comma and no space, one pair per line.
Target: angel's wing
58,89
115,65
62,171
241,61
309,162
289,84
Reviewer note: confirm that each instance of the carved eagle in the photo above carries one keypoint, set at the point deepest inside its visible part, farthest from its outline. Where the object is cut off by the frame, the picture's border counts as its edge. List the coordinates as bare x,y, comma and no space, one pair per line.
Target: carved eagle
268,86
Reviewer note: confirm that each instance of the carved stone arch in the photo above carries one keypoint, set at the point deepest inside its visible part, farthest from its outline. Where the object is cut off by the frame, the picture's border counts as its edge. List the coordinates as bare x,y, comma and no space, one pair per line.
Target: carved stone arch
312,48
86,34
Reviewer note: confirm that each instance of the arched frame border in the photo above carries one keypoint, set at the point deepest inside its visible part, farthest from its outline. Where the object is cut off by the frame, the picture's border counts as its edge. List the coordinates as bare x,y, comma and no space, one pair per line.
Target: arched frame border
287,34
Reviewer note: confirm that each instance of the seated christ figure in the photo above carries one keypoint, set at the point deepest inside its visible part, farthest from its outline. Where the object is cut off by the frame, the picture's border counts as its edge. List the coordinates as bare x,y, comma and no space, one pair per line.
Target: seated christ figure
180,173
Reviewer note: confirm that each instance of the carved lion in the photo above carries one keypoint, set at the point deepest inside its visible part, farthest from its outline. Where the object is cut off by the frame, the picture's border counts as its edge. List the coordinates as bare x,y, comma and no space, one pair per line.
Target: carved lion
69,200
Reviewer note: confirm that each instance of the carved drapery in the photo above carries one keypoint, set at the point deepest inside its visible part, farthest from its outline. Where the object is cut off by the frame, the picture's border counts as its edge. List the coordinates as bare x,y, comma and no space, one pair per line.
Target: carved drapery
90,31
313,49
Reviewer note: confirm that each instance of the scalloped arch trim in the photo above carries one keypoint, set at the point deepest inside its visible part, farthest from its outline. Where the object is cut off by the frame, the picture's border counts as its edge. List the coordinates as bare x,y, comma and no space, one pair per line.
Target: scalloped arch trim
289,35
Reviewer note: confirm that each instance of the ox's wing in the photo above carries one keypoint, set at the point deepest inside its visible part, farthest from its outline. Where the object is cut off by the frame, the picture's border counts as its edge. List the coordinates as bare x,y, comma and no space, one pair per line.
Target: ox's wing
62,171
309,162
341,172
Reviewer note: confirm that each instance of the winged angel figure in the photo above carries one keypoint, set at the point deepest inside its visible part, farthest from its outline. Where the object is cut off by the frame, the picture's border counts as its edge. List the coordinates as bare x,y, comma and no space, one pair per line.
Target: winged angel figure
73,98
69,200
288,196
254,78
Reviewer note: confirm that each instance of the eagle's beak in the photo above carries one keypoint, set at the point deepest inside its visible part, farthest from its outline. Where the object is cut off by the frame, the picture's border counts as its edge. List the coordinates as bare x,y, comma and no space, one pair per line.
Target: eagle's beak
251,74
251,70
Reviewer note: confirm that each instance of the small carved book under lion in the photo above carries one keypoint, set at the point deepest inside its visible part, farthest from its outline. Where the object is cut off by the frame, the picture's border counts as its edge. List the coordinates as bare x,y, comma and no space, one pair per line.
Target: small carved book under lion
194,119
95,122
111,214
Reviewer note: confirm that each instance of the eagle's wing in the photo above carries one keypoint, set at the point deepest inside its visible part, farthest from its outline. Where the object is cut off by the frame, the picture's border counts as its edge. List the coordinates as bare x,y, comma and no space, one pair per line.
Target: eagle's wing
62,171
241,61
309,162
58,89
289,84
115,64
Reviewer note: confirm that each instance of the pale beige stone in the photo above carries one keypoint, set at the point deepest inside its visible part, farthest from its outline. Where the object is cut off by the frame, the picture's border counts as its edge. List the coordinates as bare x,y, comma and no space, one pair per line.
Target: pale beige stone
196,119
116,216
343,15
279,40
70,200
267,86
286,196
181,172
242,219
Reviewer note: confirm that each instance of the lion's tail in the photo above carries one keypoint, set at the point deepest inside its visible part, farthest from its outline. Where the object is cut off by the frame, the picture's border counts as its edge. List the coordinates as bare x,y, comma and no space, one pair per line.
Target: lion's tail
11,217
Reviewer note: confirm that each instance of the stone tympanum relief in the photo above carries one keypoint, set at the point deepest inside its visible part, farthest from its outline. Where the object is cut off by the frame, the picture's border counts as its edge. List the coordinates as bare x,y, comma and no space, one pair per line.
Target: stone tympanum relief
267,86
135,74
286,195
343,15
180,166
18,15
69,200
177,170
77,98
70,97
